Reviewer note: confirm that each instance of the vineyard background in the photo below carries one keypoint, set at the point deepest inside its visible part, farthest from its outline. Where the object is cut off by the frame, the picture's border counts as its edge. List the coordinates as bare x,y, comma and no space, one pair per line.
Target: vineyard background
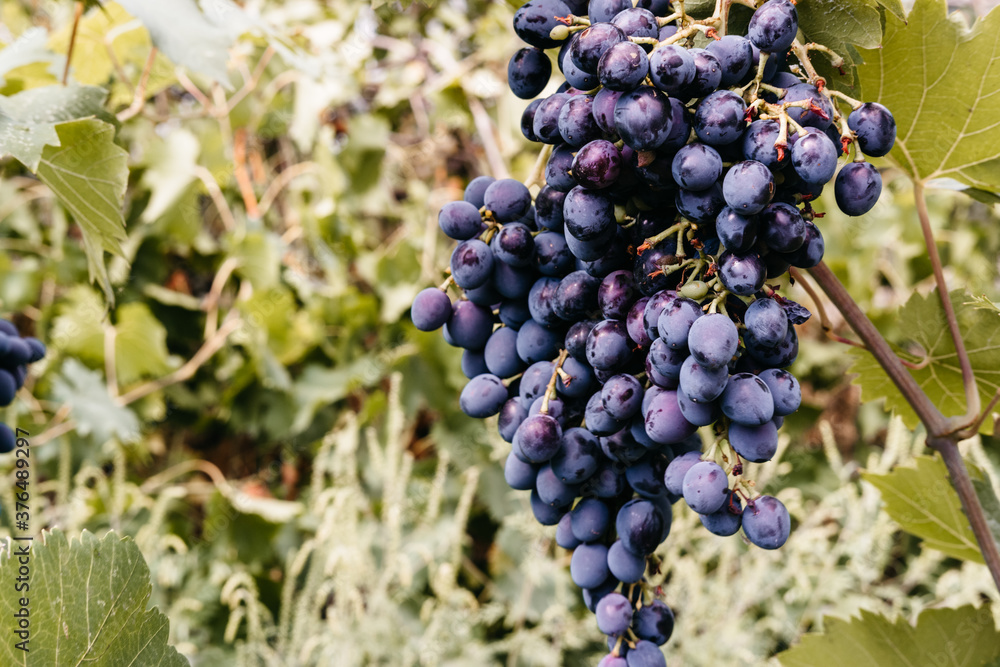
285,448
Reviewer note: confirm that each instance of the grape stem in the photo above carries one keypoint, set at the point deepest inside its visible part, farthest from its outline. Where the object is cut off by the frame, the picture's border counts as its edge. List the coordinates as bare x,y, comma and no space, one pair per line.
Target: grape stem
538,170
942,436
550,389
802,53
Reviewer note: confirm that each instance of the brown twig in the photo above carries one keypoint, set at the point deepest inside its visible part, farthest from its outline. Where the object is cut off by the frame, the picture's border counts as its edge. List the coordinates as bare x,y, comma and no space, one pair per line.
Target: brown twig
77,14
139,97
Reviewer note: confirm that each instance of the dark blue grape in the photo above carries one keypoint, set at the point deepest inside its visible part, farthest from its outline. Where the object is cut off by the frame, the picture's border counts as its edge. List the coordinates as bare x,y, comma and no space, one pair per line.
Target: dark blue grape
675,322
476,190
766,322
577,125
545,124
514,245
539,437
810,253
606,10
564,534
597,165
604,109
700,383
666,360
578,458
814,157
557,170
665,424
634,323
501,353
875,128
713,340
782,227
483,396
727,520
614,614
741,274
622,396
511,415
640,526
705,487
671,67
673,478
699,414
625,565
576,339
785,390
646,476
486,294
552,255
778,356
623,67
720,118
576,296
528,120
541,299
599,422
736,232
747,400
431,309
680,128
766,522
643,118
748,187
616,294
519,475
701,207
654,623
857,188
592,43
8,440
608,345
474,363
470,325
707,75
552,490
696,167
645,654
578,381
655,306
735,55
759,144
773,26
589,565
508,199
589,215
534,380
528,73
460,220
536,343
637,22
545,514
534,21
590,519
754,443
622,447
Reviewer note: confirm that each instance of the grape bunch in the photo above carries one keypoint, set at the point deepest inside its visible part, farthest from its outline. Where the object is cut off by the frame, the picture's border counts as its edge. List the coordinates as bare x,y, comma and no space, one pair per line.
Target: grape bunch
15,355
618,319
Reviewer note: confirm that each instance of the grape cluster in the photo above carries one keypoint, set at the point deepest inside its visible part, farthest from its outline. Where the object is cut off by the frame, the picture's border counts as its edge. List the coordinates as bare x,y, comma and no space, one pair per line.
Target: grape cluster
630,289
15,355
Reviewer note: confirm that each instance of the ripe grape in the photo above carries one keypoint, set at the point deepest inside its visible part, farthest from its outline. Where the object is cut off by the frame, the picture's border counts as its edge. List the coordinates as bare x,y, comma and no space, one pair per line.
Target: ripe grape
766,522
705,486
773,26
528,73
857,188
875,127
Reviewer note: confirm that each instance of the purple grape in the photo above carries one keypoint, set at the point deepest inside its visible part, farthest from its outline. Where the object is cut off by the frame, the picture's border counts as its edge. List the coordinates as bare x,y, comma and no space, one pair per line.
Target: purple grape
741,274
782,227
673,478
665,424
814,157
766,522
705,487
594,42
508,199
470,325
707,75
534,21
720,118
589,215
759,144
735,55
773,26
700,383
483,396
431,309
576,123
540,437
625,565
528,73
578,457
608,345
727,520
536,343
643,117
634,322
875,127
460,220
754,443
747,400
806,115
599,422
748,187
701,207
785,390
810,253
671,67
623,67
589,565
622,396
699,414
675,322
736,232
654,623
713,340
614,614
766,322
640,525
645,654
545,124
857,188
696,167
557,174
597,165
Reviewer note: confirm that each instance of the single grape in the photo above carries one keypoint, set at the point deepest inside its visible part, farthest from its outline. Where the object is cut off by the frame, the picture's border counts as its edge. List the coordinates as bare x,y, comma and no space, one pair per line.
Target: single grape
622,396
431,309
545,124
754,443
519,475
720,118
545,514
576,380
578,457
875,128
713,340
814,157
646,476
651,313
696,167
675,322
700,383
735,55
608,345
673,478
857,188
665,359
634,323
589,565
747,400
528,72
748,187
552,490
773,26
589,215
593,42
576,121
640,526
785,390
736,232
575,296
460,220
513,313
705,487
534,21
645,654
474,363
809,116
501,355
701,207
766,522
576,339
623,66
620,446
599,422
665,424
614,614
540,437
699,414
536,343
625,565
759,144
528,120
597,165
590,519
810,253
643,117
707,75
470,325
766,322
558,177
654,623
671,68
511,415
564,533
741,274
616,294
476,190
483,396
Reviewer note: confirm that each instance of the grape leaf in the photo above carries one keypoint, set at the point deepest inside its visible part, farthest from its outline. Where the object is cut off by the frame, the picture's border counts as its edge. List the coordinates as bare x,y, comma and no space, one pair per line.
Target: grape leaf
942,84
835,23
188,37
28,120
88,604
922,501
29,48
140,344
923,320
93,409
963,637
88,172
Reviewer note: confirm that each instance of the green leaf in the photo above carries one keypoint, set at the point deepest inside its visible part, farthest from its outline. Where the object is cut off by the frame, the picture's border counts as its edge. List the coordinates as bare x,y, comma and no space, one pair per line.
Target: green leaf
28,120
140,344
894,7
835,23
88,605
93,409
29,48
88,172
923,321
170,169
988,499
940,81
187,36
963,637
922,501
